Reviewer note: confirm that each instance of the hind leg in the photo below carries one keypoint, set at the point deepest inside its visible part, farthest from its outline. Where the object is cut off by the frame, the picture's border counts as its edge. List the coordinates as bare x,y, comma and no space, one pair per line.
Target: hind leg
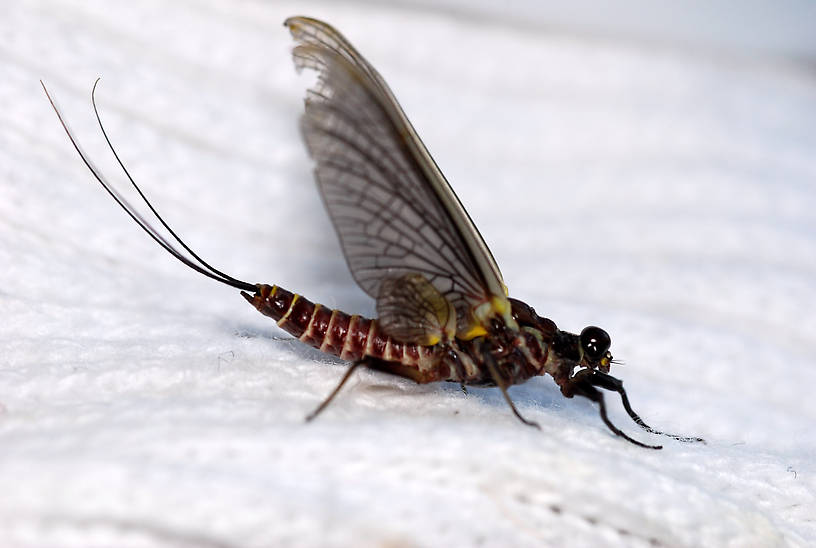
393,368
311,416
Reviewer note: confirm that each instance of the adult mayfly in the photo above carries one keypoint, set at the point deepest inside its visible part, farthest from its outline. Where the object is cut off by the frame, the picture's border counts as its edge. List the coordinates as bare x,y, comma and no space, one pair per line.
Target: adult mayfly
443,310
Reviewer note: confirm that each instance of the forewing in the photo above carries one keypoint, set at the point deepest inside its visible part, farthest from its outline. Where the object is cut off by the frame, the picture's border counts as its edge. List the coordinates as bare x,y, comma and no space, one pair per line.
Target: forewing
393,210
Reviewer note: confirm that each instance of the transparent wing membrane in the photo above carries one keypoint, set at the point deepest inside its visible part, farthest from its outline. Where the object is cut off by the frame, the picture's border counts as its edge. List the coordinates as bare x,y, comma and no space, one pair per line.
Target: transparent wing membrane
393,210
411,310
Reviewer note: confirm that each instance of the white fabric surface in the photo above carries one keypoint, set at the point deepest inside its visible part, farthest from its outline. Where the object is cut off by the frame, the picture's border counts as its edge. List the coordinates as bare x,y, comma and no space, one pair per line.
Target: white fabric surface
667,195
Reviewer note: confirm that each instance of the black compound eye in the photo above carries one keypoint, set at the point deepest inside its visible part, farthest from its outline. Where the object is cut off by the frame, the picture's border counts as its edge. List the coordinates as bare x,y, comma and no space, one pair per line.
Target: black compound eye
595,342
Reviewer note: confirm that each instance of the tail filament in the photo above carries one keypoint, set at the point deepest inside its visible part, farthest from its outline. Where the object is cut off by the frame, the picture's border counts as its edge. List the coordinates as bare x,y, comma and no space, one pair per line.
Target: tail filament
192,261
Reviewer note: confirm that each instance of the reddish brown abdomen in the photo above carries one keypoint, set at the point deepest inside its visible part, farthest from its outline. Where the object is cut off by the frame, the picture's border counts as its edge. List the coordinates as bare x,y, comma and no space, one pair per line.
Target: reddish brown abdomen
330,331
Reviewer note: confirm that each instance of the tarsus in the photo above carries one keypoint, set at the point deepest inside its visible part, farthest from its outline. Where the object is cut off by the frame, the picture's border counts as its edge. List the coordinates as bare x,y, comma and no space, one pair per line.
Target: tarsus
202,267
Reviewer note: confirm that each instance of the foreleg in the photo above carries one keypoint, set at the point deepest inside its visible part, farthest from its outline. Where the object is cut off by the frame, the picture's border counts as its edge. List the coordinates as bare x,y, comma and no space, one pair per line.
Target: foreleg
608,382
586,390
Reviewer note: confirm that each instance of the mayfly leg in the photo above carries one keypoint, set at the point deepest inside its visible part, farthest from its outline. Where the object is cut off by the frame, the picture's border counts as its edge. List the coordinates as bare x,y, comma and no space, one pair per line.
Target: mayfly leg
589,392
375,364
608,382
502,384
325,403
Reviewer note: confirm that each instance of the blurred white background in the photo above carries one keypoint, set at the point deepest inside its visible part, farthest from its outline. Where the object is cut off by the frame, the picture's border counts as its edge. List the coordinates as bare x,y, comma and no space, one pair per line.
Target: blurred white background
647,168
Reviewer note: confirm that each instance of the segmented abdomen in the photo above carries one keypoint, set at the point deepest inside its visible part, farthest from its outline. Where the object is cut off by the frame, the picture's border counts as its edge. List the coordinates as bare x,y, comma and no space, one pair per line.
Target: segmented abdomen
332,331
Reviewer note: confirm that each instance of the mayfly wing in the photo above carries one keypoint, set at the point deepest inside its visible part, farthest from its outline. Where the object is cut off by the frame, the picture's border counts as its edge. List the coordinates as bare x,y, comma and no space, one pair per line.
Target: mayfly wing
410,309
394,211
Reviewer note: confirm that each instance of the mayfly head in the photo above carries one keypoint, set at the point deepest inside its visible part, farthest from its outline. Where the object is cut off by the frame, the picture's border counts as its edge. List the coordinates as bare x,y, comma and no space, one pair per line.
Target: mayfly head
593,347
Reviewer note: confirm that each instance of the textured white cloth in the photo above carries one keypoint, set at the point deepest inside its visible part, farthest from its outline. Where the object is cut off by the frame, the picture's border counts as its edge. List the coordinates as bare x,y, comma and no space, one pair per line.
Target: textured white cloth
665,194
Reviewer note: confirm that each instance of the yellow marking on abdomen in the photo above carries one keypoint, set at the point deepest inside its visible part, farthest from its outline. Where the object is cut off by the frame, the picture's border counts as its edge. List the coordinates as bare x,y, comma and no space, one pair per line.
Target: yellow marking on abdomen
295,297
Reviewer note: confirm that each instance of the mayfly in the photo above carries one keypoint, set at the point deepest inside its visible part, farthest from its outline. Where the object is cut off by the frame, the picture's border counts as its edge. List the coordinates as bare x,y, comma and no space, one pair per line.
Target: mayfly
443,310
